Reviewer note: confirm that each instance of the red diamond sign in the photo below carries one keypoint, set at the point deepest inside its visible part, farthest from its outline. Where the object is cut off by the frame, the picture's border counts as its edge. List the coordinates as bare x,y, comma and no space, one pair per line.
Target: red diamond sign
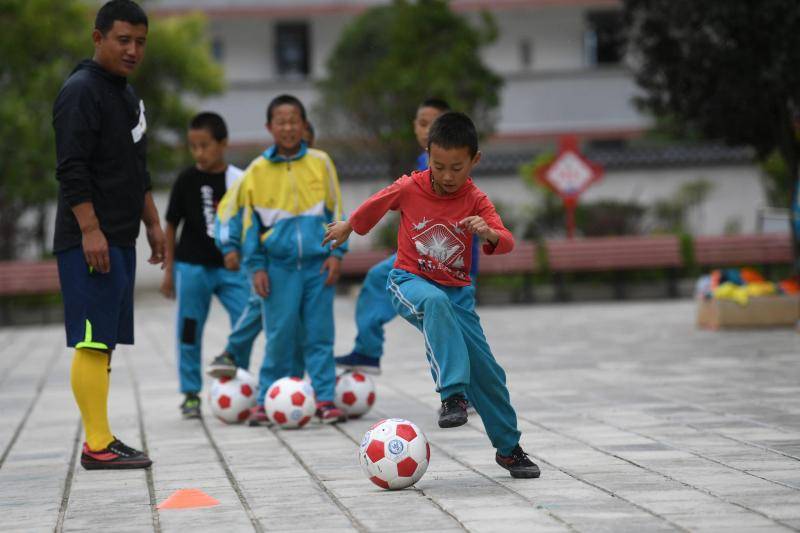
570,173
568,176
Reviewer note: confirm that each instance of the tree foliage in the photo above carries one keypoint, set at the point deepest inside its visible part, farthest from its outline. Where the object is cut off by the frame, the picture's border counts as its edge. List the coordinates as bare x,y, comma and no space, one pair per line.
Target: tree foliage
727,70
392,57
41,41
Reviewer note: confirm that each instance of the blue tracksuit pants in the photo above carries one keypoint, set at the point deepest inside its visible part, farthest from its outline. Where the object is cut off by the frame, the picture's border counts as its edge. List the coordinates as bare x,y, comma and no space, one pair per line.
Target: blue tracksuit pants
299,300
246,329
374,309
194,287
460,358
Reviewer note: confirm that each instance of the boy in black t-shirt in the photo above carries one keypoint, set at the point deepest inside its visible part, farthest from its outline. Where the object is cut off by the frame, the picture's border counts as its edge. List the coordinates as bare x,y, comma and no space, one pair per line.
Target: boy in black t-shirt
194,269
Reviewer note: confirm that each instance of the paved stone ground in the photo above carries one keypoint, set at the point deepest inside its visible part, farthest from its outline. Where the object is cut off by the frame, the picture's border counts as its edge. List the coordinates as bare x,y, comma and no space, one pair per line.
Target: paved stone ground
640,423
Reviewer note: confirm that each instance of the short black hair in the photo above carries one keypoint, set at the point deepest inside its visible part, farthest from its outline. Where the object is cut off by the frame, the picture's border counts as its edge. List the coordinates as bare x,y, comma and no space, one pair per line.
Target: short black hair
436,103
311,132
454,130
211,122
285,99
124,10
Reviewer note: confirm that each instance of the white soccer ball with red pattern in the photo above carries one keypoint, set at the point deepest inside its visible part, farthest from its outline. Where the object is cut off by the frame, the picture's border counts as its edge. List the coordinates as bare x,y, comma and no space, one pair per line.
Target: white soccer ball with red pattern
231,398
290,402
355,393
394,453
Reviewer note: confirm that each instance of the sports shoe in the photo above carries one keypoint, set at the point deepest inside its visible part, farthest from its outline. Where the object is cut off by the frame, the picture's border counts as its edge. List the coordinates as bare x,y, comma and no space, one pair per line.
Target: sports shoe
518,464
115,456
359,363
328,413
190,408
258,417
453,412
223,366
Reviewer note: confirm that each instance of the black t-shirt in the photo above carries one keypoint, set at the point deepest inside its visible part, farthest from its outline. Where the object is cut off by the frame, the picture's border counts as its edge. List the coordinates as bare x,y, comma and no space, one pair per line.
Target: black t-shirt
193,201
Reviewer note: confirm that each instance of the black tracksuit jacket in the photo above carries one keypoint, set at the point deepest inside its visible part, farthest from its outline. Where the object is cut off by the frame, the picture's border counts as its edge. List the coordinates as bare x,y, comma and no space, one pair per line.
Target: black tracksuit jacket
100,129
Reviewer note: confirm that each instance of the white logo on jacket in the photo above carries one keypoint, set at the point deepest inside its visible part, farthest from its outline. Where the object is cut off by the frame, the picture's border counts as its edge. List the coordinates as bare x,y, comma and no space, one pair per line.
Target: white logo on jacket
139,130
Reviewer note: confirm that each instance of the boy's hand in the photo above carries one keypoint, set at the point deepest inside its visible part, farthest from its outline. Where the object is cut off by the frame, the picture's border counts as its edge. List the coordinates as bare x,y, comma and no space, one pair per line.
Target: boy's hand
167,285
475,224
333,266
232,260
261,283
337,233
155,236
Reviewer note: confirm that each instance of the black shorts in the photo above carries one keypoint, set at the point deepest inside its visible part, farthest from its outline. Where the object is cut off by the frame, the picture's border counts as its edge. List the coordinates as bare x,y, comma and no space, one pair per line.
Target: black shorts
98,308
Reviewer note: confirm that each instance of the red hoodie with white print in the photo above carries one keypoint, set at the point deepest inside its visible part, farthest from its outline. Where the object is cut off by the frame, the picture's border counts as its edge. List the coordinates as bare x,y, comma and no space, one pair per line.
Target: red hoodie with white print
430,242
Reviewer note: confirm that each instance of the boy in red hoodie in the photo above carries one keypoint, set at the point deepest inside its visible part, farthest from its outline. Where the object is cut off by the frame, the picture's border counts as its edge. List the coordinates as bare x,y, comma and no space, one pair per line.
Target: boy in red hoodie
441,210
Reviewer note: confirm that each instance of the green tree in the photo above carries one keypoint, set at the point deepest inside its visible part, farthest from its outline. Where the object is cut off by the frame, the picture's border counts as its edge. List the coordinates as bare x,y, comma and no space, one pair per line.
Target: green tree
38,47
40,43
392,57
726,70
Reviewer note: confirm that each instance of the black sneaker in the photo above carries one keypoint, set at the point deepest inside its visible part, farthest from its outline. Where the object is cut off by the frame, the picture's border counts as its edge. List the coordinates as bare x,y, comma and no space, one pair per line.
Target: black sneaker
518,464
453,412
116,456
223,366
190,408
357,362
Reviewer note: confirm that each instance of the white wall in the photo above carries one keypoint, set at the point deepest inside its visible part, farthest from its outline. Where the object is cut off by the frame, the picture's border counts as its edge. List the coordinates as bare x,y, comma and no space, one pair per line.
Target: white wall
557,93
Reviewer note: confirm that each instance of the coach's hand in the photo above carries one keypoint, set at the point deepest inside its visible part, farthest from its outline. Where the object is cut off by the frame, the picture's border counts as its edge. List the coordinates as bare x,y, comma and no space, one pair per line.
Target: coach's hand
231,260
95,250
261,283
333,266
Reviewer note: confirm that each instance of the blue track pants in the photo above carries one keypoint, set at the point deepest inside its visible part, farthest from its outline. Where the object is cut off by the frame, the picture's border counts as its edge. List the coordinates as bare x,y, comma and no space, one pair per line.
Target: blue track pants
299,300
460,358
194,287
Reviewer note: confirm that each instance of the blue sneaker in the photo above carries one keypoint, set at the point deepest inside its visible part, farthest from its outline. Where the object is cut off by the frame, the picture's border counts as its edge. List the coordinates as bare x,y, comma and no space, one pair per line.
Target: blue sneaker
359,363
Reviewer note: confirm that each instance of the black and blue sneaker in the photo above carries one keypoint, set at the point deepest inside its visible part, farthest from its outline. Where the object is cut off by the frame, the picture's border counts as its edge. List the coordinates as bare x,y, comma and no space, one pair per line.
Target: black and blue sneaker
453,412
518,464
223,366
357,362
190,408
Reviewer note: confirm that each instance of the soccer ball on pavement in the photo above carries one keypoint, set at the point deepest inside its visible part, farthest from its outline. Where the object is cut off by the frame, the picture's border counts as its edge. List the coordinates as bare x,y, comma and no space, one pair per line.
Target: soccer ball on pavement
231,398
290,402
355,393
394,453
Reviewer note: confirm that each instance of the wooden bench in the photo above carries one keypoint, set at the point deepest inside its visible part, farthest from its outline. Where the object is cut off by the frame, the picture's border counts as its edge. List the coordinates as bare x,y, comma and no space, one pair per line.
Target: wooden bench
615,254
743,250
28,277
521,260
356,263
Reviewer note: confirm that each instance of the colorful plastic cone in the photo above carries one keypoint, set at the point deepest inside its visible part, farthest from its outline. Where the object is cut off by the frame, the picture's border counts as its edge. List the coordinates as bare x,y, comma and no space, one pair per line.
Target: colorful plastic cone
188,499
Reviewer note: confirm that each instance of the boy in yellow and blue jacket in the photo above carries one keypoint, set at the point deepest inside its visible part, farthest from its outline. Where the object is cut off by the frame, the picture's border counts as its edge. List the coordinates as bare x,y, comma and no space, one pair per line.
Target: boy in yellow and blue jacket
286,198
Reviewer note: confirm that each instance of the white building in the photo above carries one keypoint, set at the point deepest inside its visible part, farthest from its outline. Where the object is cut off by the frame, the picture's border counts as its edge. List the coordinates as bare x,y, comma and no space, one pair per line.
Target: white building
560,60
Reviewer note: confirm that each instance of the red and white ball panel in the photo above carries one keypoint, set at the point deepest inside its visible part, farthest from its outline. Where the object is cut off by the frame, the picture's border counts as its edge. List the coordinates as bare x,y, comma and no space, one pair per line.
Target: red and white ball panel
355,393
230,399
290,402
394,454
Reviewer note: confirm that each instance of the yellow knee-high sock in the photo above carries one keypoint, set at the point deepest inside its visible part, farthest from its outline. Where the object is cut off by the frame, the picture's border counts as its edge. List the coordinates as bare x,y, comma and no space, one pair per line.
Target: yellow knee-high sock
89,379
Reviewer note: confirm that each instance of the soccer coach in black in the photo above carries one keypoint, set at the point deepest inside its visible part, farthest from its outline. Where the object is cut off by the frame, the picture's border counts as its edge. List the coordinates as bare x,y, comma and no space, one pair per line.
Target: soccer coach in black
104,193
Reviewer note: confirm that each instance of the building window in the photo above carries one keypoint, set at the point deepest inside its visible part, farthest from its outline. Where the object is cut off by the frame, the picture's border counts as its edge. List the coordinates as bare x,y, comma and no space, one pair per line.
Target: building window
604,41
292,49
217,49
525,53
